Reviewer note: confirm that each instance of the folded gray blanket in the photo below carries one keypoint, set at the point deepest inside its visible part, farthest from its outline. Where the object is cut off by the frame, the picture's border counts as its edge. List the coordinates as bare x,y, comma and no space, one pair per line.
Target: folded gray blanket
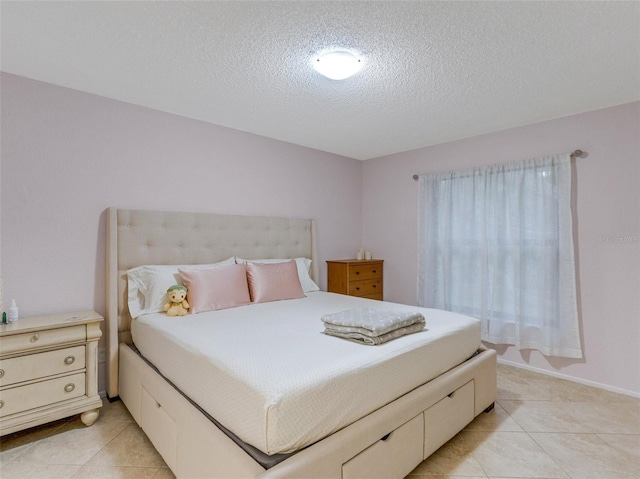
372,326
375,340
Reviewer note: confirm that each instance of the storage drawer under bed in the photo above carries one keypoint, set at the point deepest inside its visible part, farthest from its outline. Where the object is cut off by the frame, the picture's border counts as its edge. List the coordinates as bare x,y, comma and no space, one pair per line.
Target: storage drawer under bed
394,455
447,417
159,426
399,452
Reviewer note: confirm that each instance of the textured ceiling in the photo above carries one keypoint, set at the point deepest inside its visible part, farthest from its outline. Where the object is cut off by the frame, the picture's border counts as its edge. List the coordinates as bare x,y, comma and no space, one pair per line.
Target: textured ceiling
433,71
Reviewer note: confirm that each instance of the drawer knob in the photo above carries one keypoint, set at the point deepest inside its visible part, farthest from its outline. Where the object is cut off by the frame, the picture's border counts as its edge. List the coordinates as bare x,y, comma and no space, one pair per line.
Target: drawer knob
69,387
374,271
357,272
1,373
34,338
69,360
1,403
373,285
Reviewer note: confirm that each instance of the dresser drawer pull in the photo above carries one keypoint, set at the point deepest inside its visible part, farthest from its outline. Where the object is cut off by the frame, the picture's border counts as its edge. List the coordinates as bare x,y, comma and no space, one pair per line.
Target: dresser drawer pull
34,338
357,272
69,360
1,373
374,271
1,403
373,285
69,387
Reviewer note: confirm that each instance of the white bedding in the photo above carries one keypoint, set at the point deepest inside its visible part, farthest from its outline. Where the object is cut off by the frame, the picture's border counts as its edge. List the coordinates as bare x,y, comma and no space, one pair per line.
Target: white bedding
267,373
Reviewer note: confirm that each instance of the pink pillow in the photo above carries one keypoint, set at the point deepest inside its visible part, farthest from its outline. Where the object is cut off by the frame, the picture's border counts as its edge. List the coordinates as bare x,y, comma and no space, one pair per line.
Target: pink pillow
273,281
219,287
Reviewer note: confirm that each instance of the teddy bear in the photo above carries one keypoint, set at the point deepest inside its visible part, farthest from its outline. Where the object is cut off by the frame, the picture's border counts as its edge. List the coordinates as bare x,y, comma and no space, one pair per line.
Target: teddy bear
177,304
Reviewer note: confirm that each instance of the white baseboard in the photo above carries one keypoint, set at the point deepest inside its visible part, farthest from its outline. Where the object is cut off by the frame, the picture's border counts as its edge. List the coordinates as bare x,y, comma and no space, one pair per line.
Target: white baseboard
586,382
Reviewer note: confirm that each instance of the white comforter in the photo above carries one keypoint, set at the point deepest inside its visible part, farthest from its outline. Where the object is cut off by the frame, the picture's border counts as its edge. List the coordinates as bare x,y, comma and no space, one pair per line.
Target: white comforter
267,373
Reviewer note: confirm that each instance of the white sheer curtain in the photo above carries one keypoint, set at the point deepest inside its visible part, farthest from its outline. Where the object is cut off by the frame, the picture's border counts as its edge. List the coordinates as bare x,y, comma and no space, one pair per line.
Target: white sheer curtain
496,243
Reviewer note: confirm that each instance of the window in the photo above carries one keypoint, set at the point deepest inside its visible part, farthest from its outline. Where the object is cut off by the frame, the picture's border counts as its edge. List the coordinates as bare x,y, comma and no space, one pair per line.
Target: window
496,243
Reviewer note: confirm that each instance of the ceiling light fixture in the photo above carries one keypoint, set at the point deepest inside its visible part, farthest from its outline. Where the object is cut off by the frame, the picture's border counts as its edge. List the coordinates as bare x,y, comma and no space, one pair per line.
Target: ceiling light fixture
337,65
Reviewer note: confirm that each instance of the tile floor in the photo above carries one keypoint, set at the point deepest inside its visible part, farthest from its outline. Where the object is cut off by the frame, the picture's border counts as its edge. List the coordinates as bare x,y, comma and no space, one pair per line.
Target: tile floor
541,428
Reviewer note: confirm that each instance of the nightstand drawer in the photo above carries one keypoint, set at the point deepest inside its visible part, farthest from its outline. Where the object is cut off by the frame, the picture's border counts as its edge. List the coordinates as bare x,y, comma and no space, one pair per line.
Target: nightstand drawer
23,398
366,287
364,271
41,339
41,365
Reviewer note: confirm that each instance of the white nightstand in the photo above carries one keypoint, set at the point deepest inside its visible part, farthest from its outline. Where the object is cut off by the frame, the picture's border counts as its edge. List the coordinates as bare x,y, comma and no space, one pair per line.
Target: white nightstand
49,369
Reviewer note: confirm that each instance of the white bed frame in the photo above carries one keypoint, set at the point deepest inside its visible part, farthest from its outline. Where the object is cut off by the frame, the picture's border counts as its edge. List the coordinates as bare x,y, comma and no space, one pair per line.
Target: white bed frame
387,443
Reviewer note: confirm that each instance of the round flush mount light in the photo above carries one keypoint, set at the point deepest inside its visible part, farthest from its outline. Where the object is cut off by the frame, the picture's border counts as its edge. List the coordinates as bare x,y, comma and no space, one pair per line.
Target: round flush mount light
337,65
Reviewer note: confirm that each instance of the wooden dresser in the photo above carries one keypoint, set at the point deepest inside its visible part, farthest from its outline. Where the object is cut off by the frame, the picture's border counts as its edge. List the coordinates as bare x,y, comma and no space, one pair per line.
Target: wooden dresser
49,370
356,277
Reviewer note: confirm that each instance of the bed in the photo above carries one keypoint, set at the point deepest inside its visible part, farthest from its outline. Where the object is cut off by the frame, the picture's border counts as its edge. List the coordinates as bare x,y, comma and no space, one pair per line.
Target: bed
260,424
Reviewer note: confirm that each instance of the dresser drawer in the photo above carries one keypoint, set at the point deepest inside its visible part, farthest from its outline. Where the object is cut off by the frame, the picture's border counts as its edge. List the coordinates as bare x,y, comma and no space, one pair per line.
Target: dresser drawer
41,365
23,398
362,278
41,339
364,271
365,288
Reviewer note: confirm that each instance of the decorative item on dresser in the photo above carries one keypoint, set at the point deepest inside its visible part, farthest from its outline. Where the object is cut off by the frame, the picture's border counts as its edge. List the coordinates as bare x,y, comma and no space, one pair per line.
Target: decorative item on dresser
49,370
356,277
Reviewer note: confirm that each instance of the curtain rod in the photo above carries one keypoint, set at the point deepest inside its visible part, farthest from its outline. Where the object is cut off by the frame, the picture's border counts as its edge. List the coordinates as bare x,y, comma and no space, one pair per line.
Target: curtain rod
575,154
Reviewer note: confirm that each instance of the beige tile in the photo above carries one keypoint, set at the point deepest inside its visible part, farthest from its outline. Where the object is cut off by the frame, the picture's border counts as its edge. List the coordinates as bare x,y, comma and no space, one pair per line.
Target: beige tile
628,444
114,411
563,390
116,472
586,456
622,418
495,420
15,444
17,470
453,458
164,473
511,454
74,443
130,448
516,383
418,476
544,416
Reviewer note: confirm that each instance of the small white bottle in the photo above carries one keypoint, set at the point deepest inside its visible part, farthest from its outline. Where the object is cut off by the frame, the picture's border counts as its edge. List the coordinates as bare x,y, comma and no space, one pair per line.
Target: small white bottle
13,312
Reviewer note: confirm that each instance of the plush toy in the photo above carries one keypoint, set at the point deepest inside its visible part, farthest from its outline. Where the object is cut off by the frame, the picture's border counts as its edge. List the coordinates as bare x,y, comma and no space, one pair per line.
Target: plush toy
177,304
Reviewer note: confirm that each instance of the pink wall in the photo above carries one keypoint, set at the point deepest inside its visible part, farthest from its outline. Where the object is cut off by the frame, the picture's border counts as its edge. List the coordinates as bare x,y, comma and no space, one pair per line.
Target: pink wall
607,187
67,156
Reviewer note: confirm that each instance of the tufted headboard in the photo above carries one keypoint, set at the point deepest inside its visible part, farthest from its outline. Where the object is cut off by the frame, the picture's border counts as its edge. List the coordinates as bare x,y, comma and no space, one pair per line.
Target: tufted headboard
139,237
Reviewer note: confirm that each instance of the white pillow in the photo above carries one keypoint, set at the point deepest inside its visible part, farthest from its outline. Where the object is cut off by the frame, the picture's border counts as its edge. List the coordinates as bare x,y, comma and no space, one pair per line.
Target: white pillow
148,284
303,265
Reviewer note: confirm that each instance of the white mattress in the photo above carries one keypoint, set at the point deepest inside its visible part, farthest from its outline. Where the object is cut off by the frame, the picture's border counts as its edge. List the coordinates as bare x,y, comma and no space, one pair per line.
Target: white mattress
267,373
